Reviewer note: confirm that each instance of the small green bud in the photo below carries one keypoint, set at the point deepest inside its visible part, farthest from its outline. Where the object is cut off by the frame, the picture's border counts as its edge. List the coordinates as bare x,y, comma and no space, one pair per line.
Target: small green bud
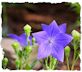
76,35
5,62
15,45
28,49
33,40
67,51
27,29
18,63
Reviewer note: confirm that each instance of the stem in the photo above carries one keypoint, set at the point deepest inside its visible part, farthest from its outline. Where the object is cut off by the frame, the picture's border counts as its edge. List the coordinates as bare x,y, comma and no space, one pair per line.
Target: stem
50,66
72,67
46,63
25,61
54,63
4,67
67,63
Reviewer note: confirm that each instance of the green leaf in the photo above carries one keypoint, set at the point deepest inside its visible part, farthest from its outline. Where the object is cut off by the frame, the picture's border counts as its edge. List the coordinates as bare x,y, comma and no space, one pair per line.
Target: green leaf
76,7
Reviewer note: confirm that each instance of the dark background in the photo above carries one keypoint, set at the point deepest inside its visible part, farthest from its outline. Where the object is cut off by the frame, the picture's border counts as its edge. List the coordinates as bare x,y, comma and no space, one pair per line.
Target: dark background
16,15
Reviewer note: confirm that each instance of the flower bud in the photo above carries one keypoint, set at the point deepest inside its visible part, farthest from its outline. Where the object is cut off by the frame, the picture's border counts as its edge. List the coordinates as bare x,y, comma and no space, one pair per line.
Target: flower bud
18,63
28,49
67,51
27,29
15,45
76,35
5,62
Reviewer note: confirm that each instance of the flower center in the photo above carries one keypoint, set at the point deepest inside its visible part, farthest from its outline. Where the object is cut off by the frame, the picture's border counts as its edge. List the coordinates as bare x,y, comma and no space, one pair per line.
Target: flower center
50,41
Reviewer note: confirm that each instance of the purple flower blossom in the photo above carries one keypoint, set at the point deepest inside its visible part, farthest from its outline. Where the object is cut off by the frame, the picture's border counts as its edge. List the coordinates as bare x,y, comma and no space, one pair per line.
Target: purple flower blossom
22,39
52,41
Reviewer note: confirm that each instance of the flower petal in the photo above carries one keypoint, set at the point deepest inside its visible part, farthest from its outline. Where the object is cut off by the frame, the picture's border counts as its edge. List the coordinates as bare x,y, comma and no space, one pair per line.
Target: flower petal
62,27
23,41
13,36
53,29
58,52
44,27
40,36
23,35
63,39
44,50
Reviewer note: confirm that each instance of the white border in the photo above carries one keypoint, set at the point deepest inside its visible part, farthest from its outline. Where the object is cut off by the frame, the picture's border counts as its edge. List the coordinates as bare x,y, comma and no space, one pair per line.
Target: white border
35,1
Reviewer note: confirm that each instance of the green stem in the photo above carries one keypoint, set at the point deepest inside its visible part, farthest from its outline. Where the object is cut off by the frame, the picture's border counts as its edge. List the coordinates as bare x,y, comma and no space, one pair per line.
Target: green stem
75,60
54,63
4,67
46,63
72,67
21,66
25,61
50,66
67,63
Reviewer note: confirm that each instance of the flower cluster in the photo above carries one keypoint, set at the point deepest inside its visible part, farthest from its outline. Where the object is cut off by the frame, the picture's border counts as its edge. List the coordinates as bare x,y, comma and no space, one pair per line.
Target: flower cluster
52,42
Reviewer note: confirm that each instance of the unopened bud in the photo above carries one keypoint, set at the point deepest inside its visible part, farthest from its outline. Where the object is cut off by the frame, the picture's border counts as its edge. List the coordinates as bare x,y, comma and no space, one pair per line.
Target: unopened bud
15,45
17,62
5,62
27,29
28,49
76,35
67,51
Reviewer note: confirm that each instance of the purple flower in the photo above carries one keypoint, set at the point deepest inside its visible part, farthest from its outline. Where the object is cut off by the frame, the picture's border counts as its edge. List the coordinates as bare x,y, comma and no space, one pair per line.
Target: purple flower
52,41
22,39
